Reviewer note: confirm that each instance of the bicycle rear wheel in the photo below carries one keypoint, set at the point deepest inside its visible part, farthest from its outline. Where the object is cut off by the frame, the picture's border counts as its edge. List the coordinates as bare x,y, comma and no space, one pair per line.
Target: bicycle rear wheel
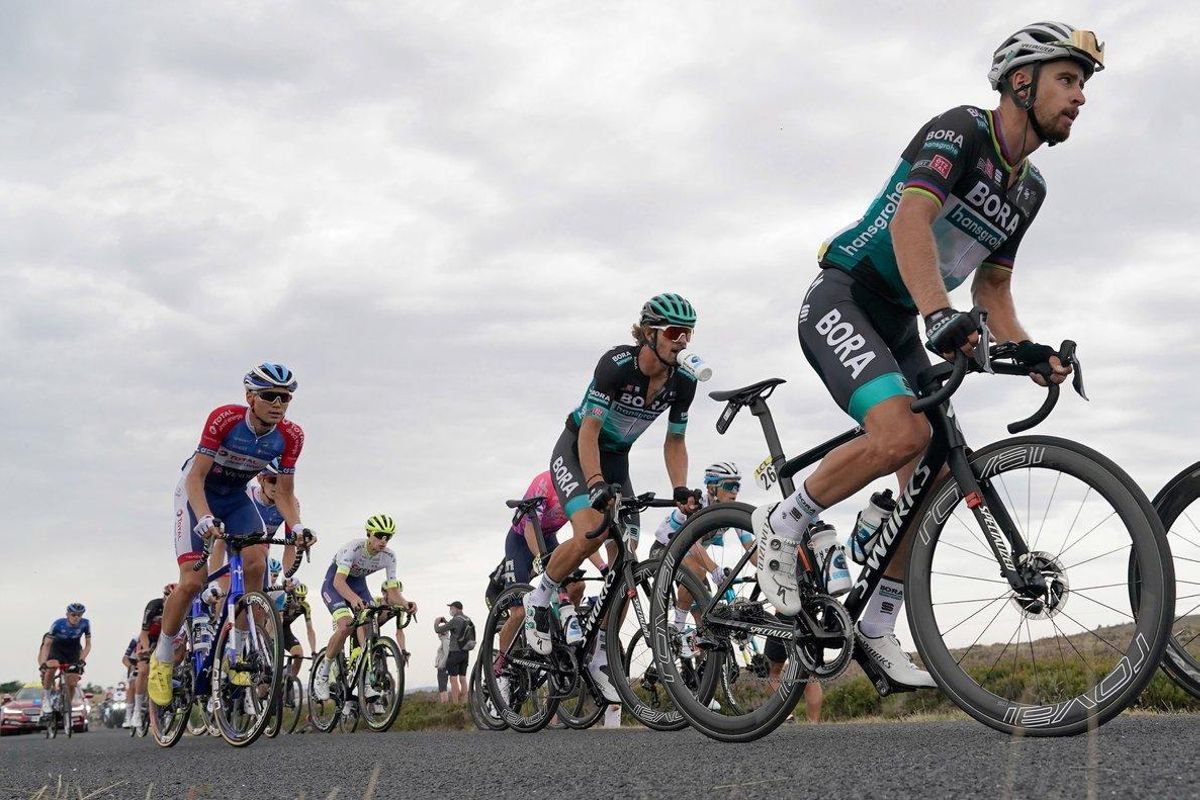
519,680
1178,506
483,710
693,670
293,703
1073,657
381,684
247,679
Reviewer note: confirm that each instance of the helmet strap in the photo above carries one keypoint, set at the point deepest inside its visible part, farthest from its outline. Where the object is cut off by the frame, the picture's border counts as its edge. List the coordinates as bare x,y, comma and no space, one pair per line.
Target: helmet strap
1026,97
653,345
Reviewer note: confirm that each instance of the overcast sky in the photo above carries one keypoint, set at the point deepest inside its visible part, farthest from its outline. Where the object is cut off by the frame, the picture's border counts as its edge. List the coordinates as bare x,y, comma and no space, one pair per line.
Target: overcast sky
441,215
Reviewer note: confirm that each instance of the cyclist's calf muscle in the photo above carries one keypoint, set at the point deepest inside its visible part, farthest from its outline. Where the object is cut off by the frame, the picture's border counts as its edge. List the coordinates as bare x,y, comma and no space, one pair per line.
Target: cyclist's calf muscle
567,557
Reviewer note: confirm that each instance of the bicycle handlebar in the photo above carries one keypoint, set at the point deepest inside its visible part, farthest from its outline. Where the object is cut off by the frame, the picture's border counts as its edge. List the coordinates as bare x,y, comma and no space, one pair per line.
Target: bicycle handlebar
627,504
237,544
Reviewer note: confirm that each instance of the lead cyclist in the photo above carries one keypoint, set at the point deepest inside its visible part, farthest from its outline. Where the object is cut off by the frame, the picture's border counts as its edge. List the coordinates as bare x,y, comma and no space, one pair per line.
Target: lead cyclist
958,202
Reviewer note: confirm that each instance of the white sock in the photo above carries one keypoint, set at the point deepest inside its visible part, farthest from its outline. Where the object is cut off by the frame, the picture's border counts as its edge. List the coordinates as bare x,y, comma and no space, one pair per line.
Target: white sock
883,609
545,590
600,656
680,618
323,668
793,516
164,651
137,704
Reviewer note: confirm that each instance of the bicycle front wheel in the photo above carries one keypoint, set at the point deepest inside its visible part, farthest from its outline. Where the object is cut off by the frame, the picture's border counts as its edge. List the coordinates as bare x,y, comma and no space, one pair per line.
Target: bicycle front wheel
324,713
381,684
293,703
1074,656
248,670
167,723
1178,505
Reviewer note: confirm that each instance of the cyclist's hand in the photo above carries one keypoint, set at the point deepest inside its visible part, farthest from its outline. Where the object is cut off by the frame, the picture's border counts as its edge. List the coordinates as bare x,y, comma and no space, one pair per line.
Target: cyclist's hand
304,536
599,495
208,527
357,604
411,606
947,330
687,499
1043,362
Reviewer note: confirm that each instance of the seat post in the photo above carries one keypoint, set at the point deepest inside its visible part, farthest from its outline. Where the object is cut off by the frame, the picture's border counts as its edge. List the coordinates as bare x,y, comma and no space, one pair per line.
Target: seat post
758,407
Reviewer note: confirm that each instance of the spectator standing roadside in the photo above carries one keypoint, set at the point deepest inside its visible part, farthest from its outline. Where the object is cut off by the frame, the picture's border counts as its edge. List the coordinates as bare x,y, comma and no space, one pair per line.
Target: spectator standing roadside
462,641
439,662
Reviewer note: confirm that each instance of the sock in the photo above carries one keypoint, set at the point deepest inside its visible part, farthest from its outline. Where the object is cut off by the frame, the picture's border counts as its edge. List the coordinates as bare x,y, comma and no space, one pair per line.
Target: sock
546,589
137,704
879,617
600,657
164,651
323,668
794,515
680,617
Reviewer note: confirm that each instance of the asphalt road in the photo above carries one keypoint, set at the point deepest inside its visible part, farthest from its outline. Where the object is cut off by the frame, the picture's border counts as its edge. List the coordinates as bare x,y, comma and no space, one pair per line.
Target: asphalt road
1142,756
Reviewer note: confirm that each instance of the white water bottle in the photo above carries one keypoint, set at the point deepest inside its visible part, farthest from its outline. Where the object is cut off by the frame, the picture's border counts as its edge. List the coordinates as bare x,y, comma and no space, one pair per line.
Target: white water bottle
695,365
830,557
202,636
879,508
570,621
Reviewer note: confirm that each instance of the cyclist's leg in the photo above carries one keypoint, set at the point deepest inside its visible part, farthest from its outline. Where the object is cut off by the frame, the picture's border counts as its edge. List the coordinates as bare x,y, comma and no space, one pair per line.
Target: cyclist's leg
518,564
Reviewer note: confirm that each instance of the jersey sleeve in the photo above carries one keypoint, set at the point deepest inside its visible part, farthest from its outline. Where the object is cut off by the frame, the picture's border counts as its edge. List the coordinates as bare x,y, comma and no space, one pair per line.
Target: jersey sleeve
220,422
307,609
949,148
87,628
678,418
293,443
389,566
344,559
606,381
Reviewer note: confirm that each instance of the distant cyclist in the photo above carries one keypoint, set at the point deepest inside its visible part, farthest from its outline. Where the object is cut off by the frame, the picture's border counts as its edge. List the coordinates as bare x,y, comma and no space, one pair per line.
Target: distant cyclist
146,642
958,203
345,589
631,386
236,444
65,645
295,606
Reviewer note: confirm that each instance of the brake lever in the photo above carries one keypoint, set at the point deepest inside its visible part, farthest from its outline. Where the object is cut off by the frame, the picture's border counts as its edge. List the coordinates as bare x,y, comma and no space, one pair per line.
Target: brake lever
1067,355
983,353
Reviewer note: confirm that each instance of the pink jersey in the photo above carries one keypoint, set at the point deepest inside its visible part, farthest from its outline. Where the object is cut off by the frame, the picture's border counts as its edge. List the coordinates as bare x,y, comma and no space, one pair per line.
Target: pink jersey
553,517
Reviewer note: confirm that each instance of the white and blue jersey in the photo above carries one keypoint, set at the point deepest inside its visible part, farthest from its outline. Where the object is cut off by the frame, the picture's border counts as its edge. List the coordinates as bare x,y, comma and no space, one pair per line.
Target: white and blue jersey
63,631
675,520
268,512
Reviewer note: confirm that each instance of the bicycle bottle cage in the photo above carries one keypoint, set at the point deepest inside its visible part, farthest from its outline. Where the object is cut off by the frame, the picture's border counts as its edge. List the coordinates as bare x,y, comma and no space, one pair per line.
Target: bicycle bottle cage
736,398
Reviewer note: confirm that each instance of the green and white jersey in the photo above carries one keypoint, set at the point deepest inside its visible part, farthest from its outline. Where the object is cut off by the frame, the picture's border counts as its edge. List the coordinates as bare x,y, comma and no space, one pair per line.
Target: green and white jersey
959,161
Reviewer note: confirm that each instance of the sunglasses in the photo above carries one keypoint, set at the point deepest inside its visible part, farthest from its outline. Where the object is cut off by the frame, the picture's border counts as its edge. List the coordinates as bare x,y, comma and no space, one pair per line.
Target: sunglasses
384,536
271,481
729,486
675,333
1087,43
271,397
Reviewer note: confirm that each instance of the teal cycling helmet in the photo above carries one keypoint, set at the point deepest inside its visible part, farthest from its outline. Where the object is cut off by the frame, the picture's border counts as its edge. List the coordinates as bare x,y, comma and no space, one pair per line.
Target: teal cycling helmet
668,309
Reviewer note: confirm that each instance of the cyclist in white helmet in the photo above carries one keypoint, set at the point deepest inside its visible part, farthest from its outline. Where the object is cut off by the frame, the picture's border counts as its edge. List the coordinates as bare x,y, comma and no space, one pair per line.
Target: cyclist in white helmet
959,201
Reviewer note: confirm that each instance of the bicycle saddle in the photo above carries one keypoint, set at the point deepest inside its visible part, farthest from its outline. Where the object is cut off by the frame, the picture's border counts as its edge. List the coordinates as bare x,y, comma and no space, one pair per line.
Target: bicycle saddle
747,394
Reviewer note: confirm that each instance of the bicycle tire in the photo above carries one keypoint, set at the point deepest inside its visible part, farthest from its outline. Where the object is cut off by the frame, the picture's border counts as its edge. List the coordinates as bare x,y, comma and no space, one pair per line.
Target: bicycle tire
582,709
168,723
1151,620
199,711
323,714
295,690
744,727
268,674
619,670
1171,502
524,682
385,683
480,702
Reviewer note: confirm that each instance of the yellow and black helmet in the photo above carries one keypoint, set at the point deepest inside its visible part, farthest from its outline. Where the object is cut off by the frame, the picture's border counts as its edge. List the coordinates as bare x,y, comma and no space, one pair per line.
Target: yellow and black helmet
380,523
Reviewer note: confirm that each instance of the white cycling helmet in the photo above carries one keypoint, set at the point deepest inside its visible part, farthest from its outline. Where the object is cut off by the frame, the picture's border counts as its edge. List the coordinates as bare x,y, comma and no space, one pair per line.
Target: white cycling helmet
1046,41
721,471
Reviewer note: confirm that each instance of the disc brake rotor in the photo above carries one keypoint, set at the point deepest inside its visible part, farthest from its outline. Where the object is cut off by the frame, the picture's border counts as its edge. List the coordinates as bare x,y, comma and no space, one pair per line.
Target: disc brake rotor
1058,587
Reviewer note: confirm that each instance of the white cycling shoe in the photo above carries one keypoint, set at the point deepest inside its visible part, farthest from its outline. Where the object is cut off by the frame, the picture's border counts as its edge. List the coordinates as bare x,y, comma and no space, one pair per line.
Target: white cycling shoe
775,562
537,625
321,686
886,653
599,673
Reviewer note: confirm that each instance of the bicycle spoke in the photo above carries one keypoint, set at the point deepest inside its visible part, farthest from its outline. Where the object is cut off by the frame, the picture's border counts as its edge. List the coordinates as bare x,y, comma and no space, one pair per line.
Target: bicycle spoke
1090,531
967,652
1093,558
1105,605
1045,515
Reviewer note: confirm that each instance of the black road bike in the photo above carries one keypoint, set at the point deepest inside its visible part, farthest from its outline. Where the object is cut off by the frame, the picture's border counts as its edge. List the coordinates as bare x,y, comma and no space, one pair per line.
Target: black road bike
1178,507
527,688
289,710
367,685
1018,585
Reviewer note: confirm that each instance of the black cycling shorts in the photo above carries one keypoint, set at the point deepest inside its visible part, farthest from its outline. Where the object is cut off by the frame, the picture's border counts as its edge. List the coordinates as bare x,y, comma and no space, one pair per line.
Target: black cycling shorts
570,484
865,348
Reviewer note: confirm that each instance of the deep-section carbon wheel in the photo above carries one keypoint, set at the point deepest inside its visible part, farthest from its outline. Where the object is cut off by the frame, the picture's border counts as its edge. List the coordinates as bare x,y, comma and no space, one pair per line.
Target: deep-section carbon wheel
1074,655
1178,505
519,680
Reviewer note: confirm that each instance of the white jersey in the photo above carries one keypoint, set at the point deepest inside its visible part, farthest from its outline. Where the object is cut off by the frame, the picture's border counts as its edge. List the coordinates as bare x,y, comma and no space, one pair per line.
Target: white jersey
676,519
355,560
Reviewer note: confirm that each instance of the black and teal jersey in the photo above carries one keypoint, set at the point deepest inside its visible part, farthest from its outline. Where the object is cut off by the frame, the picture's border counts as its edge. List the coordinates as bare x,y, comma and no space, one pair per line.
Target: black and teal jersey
960,162
617,396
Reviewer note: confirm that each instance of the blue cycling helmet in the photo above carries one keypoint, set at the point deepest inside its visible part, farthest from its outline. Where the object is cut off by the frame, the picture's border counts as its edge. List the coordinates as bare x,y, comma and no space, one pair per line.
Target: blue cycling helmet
274,565
271,467
269,376
76,608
